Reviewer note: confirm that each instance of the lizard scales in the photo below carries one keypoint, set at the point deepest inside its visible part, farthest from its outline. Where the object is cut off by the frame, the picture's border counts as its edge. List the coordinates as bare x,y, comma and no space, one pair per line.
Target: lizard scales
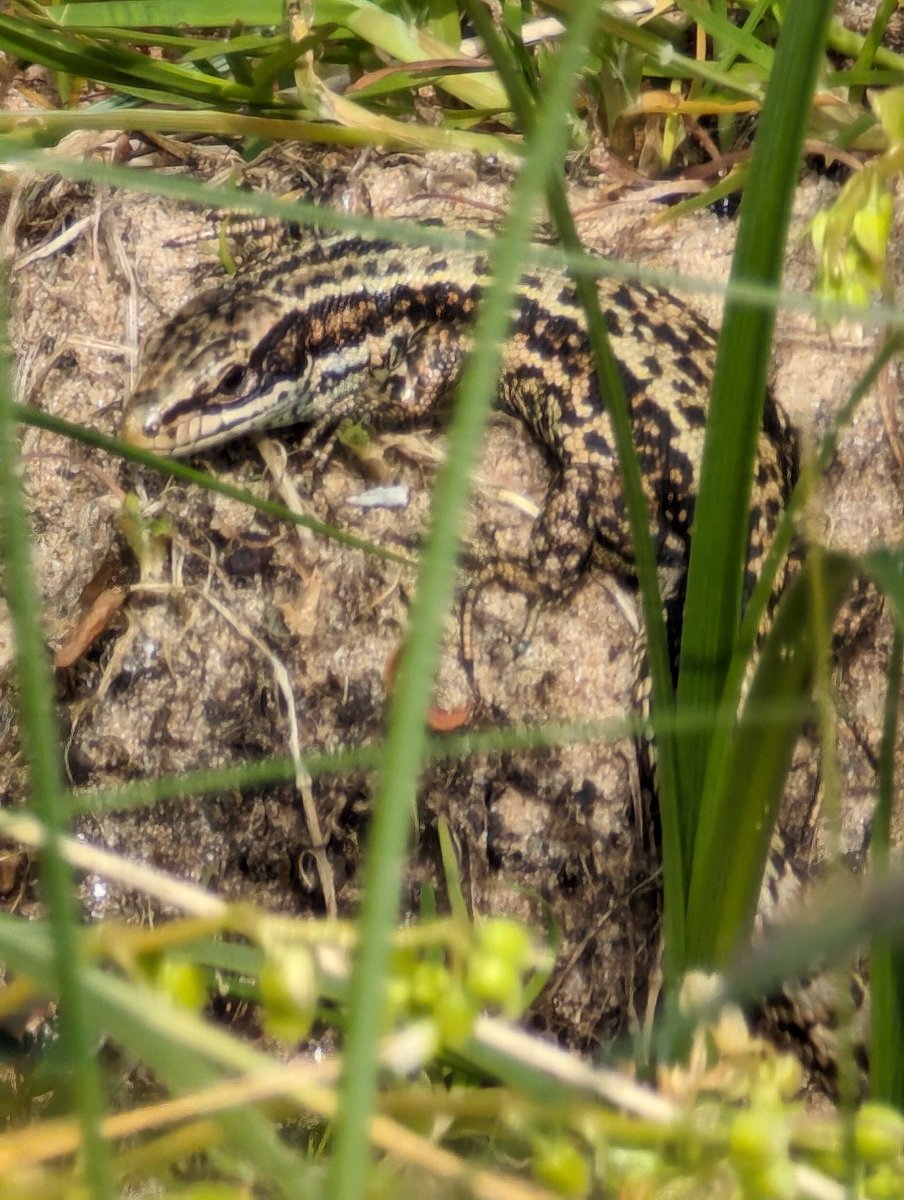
361,328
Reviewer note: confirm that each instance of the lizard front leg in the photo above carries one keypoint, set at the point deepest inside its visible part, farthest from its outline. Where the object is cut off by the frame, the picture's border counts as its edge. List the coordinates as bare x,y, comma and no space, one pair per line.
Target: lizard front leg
562,544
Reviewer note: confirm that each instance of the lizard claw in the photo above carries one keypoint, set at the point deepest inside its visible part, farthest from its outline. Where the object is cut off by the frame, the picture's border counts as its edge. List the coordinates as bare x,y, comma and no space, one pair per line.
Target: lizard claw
535,607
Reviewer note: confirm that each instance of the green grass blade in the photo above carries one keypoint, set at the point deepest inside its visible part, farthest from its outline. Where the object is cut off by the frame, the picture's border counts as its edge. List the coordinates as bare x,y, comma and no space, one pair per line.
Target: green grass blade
735,830
886,958
611,386
723,732
887,961
718,552
147,14
886,569
447,747
188,474
406,738
41,747
733,40
127,70
231,199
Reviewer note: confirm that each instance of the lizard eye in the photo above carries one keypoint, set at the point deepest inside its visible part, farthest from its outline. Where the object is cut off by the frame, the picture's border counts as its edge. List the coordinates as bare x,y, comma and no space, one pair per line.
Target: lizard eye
232,380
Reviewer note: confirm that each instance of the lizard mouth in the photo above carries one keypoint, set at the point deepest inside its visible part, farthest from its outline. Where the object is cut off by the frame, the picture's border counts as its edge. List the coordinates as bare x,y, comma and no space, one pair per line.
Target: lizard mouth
143,428
140,428
185,431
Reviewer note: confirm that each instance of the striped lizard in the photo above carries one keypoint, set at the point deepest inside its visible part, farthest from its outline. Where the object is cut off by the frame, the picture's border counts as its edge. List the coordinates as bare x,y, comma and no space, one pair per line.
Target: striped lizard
361,328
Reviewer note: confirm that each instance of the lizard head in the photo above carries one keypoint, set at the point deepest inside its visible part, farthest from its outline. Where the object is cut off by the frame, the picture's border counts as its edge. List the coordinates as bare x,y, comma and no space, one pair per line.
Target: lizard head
226,364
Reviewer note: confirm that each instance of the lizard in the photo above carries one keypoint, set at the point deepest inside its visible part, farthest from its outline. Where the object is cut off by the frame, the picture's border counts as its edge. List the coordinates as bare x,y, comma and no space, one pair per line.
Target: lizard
357,327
